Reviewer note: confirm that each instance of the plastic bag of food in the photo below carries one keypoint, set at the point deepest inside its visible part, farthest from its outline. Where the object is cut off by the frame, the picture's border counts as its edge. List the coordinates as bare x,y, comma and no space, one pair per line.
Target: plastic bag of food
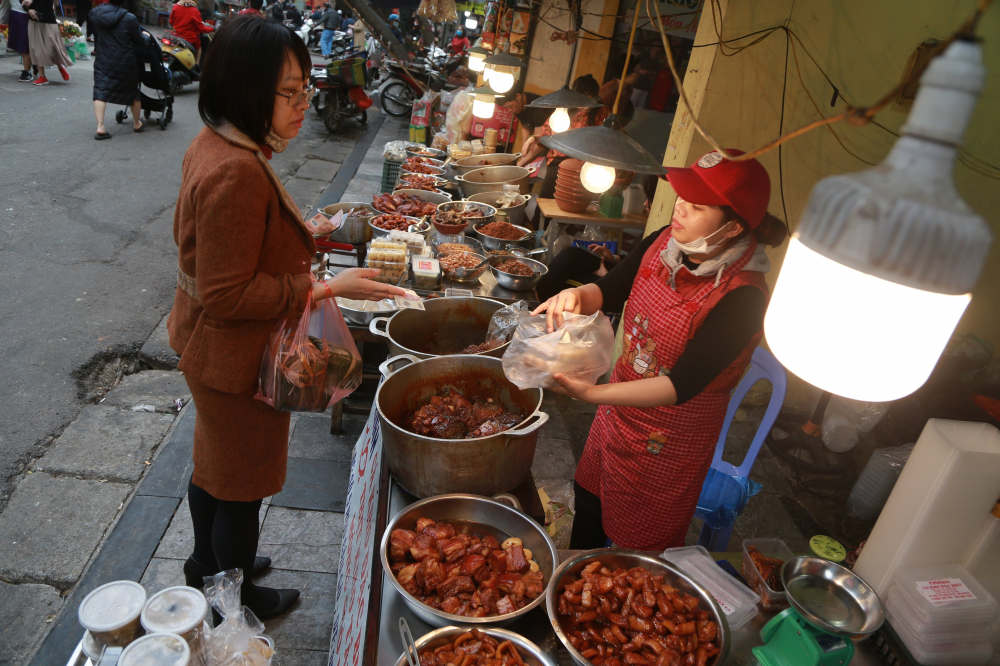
503,323
310,362
239,640
580,349
395,151
459,115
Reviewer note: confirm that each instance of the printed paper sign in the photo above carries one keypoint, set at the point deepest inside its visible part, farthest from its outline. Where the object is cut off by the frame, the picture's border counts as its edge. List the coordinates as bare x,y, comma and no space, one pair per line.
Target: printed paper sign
944,591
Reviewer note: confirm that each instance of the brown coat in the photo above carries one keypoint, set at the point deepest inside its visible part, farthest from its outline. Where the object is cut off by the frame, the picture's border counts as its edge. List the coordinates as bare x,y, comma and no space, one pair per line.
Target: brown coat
243,265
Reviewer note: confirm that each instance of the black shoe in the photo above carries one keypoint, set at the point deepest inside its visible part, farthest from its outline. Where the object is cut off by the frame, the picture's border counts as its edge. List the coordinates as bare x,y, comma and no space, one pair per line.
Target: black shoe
285,600
25,77
195,573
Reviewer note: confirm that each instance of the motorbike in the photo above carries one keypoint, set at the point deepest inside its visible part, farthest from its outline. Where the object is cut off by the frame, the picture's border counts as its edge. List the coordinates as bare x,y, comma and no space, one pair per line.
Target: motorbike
400,89
179,57
335,100
303,30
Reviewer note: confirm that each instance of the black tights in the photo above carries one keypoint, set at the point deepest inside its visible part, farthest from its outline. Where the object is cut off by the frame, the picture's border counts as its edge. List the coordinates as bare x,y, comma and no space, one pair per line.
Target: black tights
225,537
588,528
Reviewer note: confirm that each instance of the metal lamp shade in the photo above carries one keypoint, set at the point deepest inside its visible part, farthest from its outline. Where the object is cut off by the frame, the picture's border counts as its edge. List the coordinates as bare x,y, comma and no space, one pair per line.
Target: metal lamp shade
605,146
564,98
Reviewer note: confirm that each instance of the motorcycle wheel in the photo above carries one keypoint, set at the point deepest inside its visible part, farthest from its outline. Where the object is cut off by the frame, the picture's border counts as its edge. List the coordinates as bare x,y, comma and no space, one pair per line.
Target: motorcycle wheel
331,115
174,84
397,99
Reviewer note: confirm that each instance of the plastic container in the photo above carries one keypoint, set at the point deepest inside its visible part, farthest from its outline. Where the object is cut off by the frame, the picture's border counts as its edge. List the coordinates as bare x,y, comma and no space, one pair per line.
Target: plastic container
876,481
985,554
176,610
773,548
929,635
390,173
737,601
111,613
959,653
157,650
945,599
426,273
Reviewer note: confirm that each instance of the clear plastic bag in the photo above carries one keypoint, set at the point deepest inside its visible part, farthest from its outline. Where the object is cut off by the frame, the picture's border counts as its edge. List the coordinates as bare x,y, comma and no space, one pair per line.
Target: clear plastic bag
239,640
459,114
723,498
580,349
310,362
395,151
503,323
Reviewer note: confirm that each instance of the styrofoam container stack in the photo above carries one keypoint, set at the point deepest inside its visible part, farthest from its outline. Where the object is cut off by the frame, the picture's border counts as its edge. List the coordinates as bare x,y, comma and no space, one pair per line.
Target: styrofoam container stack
737,601
943,615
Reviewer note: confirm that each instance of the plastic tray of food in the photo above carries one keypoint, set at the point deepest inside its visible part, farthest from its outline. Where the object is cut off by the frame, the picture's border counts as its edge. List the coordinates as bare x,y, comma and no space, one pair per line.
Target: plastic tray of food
945,596
390,258
737,601
772,553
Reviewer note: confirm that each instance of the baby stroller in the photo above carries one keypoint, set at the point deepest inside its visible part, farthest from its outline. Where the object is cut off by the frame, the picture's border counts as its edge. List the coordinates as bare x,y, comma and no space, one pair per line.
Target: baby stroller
154,78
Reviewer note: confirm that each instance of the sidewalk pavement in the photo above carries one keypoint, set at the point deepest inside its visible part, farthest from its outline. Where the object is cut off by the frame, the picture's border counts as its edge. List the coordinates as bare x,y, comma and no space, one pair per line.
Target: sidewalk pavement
107,499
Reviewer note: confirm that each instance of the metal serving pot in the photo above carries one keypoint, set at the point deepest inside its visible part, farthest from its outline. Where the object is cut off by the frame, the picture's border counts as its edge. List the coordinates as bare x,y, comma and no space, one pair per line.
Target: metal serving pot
491,179
515,212
531,654
427,466
467,164
626,559
483,516
446,326
355,229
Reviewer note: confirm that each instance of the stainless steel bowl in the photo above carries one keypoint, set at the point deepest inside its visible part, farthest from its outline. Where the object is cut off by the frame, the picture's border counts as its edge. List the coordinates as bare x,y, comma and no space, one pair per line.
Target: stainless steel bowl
471,277
491,243
626,559
430,160
440,180
355,228
441,239
433,153
378,232
360,317
831,597
531,654
515,212
518,282
464,165
487,212
426,195
492,178
473,513
408,168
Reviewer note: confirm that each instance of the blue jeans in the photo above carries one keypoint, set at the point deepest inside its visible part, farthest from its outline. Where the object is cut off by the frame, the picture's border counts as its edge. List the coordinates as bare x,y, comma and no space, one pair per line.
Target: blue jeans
326,42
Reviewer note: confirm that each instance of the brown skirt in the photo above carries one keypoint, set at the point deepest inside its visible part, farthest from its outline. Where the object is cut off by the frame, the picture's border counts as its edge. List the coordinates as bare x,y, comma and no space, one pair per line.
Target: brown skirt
240,444
46,45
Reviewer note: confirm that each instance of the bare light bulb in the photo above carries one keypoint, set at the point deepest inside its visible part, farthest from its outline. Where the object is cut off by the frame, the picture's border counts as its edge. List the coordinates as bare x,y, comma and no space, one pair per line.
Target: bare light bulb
559,120
483,108
471,23
501,81
596,178
487,72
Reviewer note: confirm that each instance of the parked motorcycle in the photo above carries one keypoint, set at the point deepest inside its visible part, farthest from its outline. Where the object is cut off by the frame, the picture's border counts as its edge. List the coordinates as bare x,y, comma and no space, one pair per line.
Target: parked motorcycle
400,89
179,57
335,99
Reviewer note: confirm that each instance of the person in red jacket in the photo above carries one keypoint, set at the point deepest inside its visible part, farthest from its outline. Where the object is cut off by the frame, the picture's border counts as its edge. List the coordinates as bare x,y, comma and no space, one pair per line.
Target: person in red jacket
185,19
696,300
459,43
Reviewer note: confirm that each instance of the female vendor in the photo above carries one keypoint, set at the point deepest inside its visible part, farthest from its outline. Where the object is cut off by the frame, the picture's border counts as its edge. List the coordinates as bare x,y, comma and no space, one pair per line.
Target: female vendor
696,300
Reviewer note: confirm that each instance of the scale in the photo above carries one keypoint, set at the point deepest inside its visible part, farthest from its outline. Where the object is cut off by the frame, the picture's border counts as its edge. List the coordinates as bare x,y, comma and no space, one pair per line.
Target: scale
830,605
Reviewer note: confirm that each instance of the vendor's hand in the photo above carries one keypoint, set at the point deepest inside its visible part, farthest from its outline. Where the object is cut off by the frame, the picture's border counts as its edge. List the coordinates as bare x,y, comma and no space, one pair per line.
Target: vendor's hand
356,283
33,14
574,388
603,252
567,300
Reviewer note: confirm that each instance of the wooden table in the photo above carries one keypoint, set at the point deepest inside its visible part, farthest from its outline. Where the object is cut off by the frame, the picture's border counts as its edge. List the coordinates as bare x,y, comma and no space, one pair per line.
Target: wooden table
614,226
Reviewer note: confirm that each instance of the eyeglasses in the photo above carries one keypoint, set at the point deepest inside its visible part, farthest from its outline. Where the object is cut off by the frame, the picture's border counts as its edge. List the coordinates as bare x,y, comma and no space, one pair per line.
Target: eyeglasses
299,96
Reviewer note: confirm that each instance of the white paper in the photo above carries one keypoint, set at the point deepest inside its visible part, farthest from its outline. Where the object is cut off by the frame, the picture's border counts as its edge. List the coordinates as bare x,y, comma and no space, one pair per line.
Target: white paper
944,591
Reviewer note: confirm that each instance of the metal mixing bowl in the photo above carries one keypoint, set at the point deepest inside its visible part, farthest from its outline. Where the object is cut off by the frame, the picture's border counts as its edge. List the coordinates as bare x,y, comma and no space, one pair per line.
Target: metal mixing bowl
831,597
423,151
379,232
626,559
487,212
360,317
491,243
530,653
518,282
474,276
408,168
473,513
441,239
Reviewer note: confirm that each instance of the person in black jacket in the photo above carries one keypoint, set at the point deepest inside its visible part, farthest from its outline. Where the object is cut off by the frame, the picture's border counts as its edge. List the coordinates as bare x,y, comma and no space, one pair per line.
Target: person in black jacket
44,41
116,75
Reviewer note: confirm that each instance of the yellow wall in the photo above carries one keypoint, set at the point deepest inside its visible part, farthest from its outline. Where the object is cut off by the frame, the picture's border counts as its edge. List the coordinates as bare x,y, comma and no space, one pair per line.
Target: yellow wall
864,47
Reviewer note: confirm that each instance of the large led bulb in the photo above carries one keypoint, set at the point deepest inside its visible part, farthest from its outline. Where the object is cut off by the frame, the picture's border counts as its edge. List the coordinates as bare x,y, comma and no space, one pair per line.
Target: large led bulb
559,120
597,178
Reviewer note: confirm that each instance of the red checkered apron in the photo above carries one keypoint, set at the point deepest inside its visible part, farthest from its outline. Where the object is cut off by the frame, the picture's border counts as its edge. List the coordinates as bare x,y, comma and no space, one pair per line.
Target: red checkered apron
648,465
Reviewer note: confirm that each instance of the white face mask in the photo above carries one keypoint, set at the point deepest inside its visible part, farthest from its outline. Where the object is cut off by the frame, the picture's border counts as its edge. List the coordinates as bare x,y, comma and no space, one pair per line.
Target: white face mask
699,245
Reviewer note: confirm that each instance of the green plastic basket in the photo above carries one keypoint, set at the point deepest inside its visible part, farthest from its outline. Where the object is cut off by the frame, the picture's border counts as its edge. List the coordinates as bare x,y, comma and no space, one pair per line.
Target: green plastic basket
390,173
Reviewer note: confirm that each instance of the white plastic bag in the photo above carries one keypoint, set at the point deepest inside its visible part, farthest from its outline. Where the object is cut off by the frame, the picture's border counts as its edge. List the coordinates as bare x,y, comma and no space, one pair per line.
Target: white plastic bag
459,114
239,640
580,349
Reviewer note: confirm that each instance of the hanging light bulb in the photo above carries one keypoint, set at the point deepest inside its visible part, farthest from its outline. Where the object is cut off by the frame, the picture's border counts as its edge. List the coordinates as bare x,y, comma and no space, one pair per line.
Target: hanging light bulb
471,23
501,79
477,59
559,120
502,69
597,178
484,102
879,271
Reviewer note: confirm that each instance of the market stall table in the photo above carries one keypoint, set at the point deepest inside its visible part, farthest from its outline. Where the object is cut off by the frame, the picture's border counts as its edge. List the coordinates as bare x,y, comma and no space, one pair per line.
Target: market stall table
613,226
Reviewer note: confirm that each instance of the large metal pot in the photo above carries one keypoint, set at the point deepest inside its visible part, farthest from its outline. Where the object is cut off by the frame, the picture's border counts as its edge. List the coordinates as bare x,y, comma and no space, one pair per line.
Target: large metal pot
483,516
491,179
627,559
515,212
446,326
467,164
428,466
355,229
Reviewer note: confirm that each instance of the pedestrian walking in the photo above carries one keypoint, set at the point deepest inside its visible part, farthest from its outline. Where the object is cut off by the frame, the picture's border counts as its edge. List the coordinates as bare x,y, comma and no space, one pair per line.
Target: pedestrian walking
331,21
243,265
44,41
17,38
116,74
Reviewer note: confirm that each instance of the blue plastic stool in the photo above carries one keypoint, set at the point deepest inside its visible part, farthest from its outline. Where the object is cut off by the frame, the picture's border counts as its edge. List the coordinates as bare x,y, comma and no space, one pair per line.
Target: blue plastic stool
763,365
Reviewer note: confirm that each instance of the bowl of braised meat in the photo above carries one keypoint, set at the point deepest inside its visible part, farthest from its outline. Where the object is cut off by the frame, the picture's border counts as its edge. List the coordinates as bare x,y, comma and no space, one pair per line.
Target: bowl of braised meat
456,424
466,559
489,646
617,607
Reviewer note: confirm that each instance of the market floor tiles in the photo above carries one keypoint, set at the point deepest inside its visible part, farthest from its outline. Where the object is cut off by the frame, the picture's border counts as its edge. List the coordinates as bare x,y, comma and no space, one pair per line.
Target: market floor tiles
178,542
307,625
300,658
320,485
311,438
302,540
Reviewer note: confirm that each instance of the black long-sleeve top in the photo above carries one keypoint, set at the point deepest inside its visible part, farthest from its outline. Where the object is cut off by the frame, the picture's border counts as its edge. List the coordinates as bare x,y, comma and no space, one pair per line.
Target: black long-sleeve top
726,331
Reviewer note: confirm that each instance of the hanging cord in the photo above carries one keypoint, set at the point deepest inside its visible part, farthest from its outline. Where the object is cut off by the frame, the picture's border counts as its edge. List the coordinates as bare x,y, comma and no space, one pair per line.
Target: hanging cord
857,116
628,54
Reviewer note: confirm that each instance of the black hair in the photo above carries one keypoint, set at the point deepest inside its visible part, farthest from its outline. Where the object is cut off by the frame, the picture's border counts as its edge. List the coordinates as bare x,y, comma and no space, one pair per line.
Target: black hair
771,230
243,71
257,4
587,85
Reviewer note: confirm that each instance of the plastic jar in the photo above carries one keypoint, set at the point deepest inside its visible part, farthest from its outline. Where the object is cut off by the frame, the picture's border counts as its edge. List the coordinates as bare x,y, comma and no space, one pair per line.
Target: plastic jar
157,650
111,613
176,610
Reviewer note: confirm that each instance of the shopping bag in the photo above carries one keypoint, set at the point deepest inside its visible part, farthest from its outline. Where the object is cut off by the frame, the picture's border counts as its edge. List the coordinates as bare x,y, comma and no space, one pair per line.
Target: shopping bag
310,362
580,349
352,70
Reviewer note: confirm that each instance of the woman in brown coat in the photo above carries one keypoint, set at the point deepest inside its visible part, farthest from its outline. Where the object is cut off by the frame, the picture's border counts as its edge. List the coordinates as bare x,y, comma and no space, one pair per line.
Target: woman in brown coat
243,264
